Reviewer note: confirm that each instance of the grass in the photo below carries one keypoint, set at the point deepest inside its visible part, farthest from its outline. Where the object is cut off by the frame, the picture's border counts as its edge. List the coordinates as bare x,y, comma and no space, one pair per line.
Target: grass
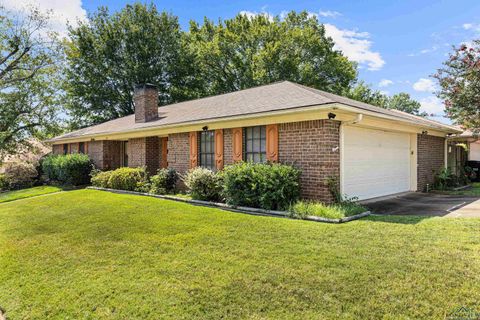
302,209
27,193
474,191
89,254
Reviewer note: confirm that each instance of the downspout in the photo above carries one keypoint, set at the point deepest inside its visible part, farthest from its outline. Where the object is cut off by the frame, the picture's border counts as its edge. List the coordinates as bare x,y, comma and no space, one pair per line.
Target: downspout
357,119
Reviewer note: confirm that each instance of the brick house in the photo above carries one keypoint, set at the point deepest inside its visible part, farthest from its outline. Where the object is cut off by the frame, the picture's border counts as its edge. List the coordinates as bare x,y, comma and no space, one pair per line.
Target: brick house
371,151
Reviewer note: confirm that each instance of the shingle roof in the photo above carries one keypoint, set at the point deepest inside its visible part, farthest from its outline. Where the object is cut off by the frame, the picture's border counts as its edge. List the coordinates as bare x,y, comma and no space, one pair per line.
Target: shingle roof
267,98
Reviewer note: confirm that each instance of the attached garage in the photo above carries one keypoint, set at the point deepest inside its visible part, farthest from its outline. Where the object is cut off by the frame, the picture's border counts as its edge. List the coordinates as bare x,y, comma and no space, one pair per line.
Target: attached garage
375,163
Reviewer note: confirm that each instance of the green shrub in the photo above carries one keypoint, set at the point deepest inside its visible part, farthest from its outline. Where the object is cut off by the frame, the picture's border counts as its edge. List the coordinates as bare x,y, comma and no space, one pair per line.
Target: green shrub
127,178
203,184
164,181
100,178
302,209
265,185
3,182
73,169
19,175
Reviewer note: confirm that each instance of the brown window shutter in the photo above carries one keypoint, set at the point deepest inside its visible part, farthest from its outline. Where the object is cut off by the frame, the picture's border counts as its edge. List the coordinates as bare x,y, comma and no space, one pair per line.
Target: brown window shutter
193,149
86,147
219,149
237,134
164,146
272,142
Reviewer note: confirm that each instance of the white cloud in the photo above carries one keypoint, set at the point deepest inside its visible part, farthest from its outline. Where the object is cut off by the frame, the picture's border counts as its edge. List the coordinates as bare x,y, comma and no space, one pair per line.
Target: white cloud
385,83
432,105
252,14
467,26
63,11
424,85
329,14
356,46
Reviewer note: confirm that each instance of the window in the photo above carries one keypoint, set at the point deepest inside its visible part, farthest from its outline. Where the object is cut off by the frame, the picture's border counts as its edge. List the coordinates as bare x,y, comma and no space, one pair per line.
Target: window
207,149
81,147
65,148
124,154
254,144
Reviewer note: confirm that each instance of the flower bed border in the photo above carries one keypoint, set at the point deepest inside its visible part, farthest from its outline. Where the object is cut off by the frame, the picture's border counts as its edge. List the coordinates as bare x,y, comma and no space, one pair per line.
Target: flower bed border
241,209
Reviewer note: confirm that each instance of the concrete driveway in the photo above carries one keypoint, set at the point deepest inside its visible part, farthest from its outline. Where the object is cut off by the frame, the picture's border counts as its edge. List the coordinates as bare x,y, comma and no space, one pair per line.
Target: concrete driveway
427,204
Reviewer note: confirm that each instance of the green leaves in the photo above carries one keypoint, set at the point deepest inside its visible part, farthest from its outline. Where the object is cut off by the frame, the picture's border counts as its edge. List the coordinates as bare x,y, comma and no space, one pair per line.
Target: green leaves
244,52
30,61
459,80
112,52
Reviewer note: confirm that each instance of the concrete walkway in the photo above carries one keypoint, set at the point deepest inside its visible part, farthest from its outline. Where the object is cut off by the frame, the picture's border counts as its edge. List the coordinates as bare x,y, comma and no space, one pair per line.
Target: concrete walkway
471,210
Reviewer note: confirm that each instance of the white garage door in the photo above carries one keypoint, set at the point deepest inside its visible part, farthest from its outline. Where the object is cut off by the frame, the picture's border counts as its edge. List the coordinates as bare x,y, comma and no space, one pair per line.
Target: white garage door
375,163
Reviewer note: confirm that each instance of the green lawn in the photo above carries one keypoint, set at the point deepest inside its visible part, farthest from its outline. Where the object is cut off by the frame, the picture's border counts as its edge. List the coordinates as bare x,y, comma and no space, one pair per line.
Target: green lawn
473,191
90,254
27,193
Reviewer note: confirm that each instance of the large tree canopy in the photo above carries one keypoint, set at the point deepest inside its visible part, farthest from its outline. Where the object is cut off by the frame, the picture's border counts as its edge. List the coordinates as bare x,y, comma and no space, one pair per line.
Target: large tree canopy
399,101
111,53
29,68
459,81
249,51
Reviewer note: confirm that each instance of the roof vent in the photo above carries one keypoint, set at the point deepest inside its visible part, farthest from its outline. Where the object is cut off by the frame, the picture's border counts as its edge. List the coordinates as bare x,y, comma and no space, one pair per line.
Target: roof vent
145,100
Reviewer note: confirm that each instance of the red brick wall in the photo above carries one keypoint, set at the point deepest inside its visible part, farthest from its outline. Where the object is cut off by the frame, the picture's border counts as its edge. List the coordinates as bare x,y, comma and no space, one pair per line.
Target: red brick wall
178,152
308,145
431,159
227,147
57,149
95,152
111,154
144,152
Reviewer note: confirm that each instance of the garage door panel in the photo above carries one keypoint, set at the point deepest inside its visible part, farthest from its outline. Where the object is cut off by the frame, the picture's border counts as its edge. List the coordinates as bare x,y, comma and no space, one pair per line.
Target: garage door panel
376,163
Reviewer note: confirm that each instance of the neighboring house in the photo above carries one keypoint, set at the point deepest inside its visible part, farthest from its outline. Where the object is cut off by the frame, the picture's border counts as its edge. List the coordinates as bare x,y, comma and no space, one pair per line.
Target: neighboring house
463,149
371,151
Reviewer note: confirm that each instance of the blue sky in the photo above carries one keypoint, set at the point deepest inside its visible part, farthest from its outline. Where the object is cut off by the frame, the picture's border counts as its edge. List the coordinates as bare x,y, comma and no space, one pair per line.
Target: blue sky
397,45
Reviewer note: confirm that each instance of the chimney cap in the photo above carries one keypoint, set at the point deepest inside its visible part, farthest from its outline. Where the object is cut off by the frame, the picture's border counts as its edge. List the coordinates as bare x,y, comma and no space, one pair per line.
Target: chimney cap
145,86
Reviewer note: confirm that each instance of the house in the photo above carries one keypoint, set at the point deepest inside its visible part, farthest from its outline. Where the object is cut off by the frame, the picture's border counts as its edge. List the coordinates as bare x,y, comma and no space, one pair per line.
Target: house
371,151
464,149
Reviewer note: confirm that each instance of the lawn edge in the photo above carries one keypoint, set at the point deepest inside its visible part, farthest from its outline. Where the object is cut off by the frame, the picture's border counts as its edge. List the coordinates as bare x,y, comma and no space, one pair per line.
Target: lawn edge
240,209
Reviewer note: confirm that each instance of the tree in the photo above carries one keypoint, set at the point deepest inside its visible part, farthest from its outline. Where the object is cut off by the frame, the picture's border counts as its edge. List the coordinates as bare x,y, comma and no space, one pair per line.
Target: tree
364,93
403,102
244,52
29,68
459,81
111,53
399,101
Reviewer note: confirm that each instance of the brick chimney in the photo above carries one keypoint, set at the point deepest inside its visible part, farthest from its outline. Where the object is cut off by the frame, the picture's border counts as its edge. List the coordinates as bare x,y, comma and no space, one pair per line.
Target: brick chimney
145,100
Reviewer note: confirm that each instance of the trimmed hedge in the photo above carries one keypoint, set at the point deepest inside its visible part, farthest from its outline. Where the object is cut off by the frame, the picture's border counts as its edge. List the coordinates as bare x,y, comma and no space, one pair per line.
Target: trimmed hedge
73,169
203,184
165,181
270,186
131,179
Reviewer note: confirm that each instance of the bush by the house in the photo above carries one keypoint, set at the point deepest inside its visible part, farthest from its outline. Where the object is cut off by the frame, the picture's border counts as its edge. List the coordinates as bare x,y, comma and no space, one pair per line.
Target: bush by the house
203,184
100,178
130,179
164,181
18,175
302,209
269,186
446,179
73,169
